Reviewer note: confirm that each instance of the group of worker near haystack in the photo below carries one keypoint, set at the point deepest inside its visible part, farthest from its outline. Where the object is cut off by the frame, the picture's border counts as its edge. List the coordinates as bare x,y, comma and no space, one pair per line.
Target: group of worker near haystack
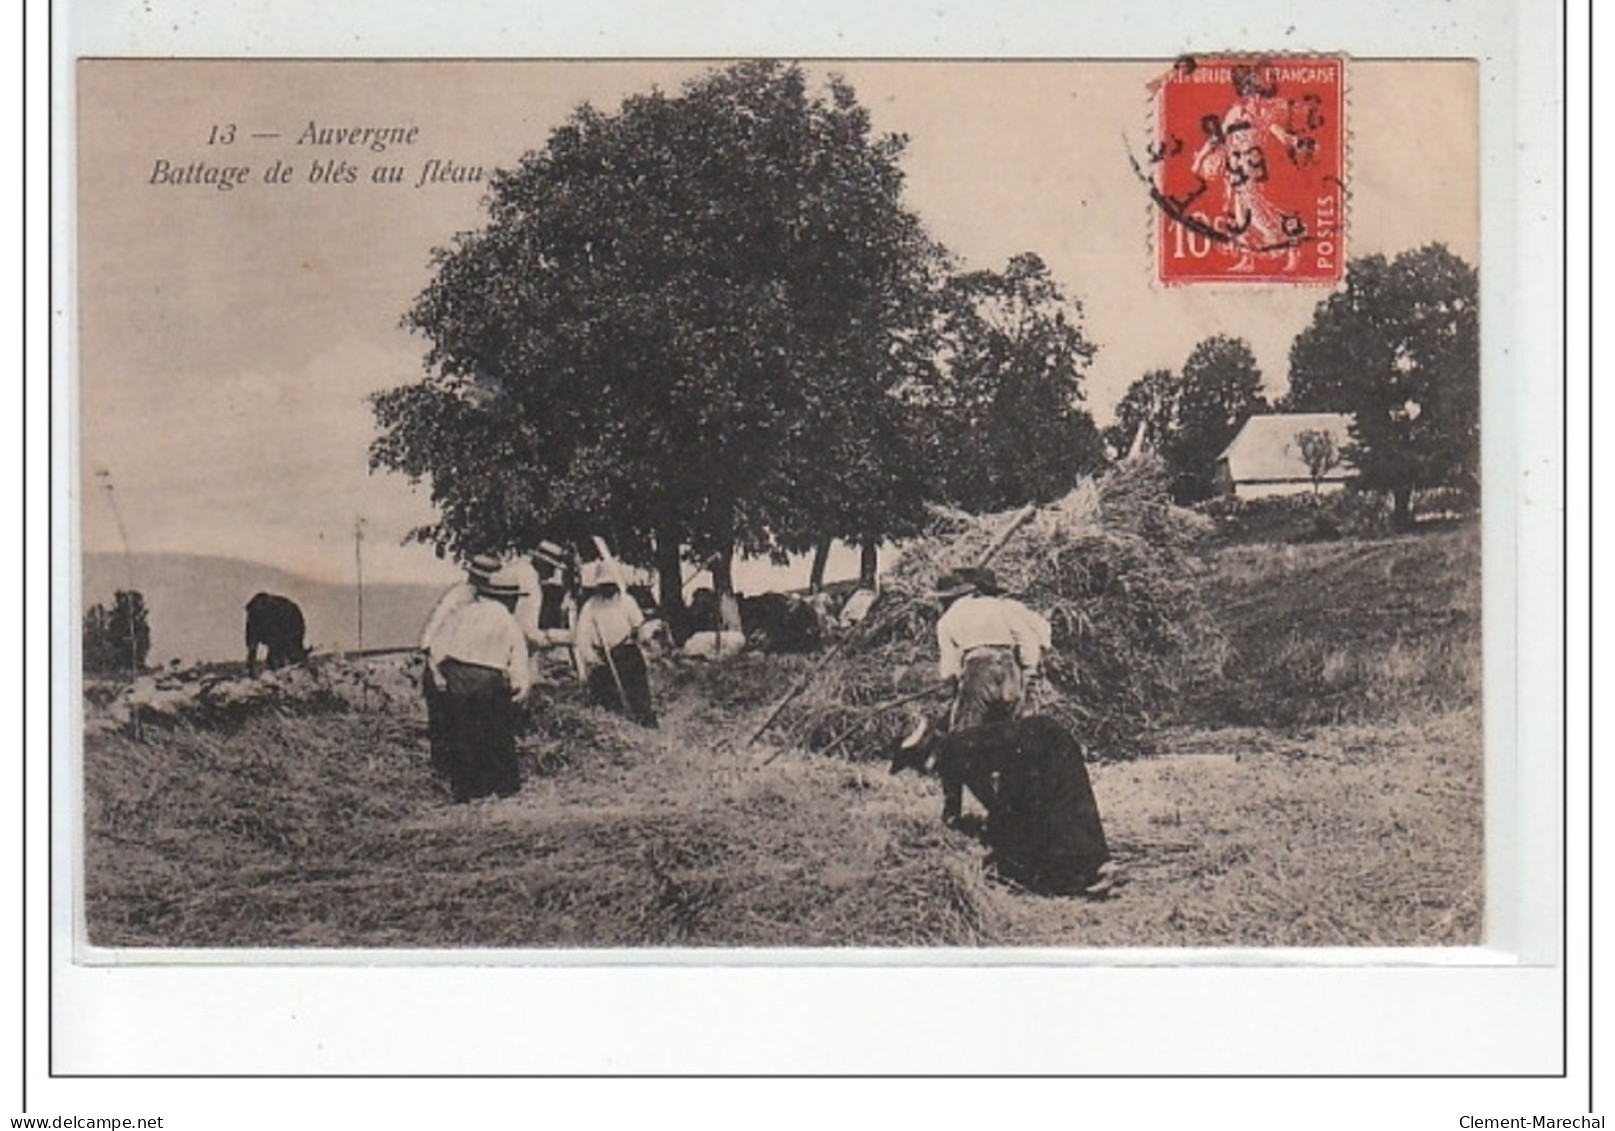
477,673
477,641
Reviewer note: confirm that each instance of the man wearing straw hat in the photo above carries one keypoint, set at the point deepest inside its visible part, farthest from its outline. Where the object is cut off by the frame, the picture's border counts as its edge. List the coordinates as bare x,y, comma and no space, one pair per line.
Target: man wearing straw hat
477,572
605,643
547,615
990,647
478,660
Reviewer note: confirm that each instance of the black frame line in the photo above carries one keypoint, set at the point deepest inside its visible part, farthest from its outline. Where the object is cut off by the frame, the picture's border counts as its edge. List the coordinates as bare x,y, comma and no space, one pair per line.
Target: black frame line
52,643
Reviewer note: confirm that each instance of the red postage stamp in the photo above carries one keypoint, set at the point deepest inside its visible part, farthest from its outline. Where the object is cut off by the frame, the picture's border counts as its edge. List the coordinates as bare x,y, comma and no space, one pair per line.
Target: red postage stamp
1249,170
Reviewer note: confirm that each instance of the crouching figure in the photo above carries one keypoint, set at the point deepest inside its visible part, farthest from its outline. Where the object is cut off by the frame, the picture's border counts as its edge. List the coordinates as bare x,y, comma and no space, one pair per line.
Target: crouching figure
1029,774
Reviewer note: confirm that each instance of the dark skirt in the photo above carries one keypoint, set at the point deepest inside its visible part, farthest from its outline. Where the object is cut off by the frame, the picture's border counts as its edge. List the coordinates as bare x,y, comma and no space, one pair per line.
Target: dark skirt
437,733
1045,830
478,721
632,698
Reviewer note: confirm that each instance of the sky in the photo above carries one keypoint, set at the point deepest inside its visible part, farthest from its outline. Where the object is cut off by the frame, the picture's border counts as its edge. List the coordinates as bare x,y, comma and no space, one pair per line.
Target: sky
228,340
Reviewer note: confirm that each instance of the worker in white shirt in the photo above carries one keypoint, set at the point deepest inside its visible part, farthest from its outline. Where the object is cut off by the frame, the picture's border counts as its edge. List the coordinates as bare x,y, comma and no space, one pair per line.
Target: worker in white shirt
991,647
524,574
477,572
605,643
478,660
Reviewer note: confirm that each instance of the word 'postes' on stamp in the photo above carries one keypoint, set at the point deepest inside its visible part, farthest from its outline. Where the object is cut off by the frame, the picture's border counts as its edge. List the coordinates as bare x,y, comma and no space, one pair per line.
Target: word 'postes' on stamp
1249,170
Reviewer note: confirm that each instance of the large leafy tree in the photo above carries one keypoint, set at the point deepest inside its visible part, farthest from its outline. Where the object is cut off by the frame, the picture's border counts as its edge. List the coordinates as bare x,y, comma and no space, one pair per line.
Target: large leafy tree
681,327
1001,414
1220,389
1399,347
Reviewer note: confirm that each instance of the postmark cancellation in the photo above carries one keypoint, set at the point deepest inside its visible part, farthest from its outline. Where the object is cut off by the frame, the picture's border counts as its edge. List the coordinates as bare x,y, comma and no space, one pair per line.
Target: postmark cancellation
1247,170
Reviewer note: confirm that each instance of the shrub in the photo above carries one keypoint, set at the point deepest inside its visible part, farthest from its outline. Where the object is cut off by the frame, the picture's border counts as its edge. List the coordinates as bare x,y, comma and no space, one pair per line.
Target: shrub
116,640
1299,518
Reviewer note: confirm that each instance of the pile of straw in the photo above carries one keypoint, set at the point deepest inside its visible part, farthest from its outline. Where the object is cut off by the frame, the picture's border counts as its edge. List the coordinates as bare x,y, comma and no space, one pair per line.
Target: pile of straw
1108,565
214,697
330,830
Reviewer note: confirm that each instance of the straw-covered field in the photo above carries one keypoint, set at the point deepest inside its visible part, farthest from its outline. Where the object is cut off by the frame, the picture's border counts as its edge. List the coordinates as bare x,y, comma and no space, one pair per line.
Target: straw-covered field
1307,771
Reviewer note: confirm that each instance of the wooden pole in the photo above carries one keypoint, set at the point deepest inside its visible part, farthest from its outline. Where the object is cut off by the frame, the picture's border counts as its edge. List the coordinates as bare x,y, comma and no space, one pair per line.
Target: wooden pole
864,718
801,686
128,570
1018,520
358,569
129,581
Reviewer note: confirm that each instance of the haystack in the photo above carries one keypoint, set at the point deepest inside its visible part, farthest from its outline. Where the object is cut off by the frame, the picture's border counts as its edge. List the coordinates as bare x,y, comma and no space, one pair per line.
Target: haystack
214,695
1109,566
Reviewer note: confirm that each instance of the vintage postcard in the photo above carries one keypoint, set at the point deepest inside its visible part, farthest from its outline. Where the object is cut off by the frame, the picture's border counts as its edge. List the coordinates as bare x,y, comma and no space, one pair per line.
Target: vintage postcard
779,510
793,404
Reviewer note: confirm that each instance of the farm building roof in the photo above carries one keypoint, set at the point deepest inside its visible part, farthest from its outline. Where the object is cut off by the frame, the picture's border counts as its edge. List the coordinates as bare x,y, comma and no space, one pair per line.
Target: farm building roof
1267,448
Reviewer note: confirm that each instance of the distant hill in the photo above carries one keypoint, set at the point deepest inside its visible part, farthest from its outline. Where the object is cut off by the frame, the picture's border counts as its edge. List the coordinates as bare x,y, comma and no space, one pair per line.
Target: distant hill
197,604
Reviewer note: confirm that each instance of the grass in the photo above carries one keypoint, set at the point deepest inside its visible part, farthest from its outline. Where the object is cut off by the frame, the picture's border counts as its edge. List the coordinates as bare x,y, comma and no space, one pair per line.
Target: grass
1343,631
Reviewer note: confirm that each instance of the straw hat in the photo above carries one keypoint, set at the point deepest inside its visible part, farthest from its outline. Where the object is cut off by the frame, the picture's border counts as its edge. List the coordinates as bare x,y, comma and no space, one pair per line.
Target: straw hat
967,579
481,567
500,582
597,573
551,555
984,580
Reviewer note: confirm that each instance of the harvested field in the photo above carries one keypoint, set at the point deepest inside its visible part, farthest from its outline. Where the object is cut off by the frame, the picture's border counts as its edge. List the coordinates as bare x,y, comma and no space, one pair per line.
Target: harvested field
1349,836
314,821
332,832
1284,742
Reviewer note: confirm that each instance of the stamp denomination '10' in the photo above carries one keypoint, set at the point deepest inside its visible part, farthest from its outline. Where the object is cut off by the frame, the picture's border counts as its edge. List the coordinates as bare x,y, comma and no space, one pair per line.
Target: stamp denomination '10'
1249,170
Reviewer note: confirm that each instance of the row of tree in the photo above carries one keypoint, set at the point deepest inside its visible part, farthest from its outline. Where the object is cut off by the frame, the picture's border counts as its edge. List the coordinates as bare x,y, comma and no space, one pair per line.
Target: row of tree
706,324
1189,419
1397,348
